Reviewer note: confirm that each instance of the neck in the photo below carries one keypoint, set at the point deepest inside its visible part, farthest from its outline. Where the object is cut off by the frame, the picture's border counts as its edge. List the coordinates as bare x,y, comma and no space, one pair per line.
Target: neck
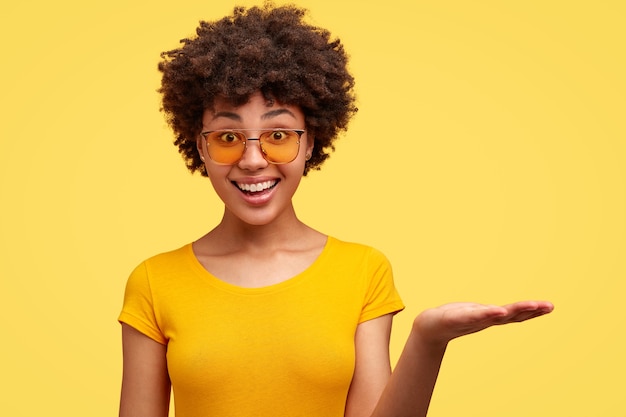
282,231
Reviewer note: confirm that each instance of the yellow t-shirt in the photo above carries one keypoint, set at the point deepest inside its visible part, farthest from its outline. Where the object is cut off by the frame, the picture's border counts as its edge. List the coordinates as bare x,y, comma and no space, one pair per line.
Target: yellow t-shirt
281,350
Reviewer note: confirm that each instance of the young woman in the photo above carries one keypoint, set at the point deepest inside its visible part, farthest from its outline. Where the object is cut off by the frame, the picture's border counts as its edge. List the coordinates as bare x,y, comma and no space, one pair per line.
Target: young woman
263,315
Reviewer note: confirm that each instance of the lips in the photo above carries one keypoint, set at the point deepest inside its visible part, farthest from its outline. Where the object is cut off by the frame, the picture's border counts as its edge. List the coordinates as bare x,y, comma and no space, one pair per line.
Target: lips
257,187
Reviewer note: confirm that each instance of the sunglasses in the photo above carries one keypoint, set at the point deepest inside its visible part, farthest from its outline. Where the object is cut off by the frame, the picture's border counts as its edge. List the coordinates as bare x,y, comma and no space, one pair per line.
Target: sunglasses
278,146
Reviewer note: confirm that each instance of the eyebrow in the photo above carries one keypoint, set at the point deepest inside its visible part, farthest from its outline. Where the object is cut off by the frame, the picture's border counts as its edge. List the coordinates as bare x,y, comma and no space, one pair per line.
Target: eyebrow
270,114
277,112
228,115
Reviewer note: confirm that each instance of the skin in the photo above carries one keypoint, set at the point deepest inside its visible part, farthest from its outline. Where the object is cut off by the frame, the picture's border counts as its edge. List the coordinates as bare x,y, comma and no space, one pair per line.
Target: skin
261,242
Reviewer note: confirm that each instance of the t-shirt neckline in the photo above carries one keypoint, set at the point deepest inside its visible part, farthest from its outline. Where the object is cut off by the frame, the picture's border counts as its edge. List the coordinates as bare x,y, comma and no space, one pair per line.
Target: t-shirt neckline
226,286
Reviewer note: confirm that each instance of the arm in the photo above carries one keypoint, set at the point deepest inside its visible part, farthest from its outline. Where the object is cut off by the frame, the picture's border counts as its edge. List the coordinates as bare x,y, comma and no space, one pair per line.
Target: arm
408,391
145,381
413,378
372,367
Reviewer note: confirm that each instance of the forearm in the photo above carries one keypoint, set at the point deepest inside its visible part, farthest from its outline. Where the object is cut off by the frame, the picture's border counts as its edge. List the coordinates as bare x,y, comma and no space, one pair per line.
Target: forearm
412,382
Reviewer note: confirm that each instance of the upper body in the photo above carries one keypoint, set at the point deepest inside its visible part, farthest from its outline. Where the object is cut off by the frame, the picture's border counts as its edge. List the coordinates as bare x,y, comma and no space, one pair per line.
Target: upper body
256,101
282,349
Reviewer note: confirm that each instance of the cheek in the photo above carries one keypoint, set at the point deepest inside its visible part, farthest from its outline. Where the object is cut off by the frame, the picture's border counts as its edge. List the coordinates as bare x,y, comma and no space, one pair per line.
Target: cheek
294,170
217,174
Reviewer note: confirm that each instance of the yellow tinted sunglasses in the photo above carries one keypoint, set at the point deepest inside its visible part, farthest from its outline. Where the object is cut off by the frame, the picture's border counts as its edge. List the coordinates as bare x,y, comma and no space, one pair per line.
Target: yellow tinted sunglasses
278,146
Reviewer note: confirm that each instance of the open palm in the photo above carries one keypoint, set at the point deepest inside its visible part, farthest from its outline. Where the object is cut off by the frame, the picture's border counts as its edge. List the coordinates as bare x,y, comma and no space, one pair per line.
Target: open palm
446,322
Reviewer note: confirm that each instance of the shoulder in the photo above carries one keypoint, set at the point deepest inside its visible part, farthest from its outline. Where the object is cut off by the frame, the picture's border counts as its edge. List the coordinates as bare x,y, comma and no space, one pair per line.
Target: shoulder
357,258
356,251
164,265
168,259
366,271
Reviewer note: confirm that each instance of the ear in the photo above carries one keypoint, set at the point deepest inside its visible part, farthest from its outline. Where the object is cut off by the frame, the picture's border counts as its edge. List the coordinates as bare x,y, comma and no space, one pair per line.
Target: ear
310,143
199,147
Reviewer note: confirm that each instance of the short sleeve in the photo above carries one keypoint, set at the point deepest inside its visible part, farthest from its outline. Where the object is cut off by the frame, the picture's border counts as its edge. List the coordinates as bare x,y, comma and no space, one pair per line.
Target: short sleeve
138,308
381,296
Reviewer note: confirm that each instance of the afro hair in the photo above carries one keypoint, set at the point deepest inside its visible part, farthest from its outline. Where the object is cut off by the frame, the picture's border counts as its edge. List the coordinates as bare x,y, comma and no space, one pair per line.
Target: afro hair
267,49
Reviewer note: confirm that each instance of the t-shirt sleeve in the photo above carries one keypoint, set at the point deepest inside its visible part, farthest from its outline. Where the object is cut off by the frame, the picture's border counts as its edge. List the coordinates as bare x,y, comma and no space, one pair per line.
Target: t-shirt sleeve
381,296
138,309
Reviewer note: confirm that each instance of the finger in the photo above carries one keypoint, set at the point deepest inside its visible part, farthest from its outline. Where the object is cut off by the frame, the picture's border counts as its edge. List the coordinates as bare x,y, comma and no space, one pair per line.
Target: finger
530,305
523,315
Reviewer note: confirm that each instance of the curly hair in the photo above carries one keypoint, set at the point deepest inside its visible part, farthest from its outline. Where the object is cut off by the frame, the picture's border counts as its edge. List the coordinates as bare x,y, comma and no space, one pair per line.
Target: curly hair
267,49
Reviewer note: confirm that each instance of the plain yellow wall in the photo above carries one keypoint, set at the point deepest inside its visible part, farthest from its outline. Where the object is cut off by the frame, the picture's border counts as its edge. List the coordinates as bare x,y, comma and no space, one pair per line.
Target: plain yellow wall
505,180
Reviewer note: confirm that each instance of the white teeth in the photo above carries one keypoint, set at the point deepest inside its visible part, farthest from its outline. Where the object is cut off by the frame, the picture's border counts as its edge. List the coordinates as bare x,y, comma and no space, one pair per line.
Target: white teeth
256,187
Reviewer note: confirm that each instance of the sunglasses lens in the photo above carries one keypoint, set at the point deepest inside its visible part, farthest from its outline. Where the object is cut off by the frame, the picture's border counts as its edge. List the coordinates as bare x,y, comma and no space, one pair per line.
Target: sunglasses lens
280,146
226,147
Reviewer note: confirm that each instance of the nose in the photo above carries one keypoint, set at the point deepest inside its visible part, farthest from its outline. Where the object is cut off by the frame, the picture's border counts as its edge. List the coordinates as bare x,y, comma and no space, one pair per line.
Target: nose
252,158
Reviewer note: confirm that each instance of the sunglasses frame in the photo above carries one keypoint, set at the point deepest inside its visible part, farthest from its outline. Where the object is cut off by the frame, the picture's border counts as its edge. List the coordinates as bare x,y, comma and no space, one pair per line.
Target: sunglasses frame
205,134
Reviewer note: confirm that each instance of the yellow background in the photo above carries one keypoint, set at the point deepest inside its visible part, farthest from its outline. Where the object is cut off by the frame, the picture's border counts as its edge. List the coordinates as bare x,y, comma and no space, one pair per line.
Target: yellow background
500,176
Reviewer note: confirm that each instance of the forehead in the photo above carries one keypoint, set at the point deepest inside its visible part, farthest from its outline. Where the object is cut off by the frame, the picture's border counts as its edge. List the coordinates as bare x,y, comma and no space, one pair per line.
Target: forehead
256,108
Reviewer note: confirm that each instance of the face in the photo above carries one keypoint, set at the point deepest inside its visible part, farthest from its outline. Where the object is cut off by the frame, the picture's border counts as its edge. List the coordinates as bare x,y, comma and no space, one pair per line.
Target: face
253,190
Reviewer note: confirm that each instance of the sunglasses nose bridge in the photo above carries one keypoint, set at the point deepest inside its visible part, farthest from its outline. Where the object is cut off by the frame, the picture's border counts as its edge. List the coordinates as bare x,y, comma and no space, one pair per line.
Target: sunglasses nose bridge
252,157
245,147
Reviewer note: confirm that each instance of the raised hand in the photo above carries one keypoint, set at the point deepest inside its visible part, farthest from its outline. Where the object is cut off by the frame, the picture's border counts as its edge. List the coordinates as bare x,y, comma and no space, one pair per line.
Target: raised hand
441,324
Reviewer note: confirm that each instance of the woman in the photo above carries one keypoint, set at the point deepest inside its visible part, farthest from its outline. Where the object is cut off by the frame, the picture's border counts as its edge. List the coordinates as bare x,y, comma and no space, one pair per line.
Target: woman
263,315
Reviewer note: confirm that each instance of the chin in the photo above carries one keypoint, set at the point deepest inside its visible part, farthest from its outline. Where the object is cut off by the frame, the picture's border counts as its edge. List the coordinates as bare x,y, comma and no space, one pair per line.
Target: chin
257,216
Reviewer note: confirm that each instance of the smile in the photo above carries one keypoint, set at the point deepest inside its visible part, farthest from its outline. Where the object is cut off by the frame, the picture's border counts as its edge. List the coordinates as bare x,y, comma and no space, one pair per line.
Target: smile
257,187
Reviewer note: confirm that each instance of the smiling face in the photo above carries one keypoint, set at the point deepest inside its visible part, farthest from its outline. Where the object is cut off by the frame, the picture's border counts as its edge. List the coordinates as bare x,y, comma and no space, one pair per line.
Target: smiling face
253,190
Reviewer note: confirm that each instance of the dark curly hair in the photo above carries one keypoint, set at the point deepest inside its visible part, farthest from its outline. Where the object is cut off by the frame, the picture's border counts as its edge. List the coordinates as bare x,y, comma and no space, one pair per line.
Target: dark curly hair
268,49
